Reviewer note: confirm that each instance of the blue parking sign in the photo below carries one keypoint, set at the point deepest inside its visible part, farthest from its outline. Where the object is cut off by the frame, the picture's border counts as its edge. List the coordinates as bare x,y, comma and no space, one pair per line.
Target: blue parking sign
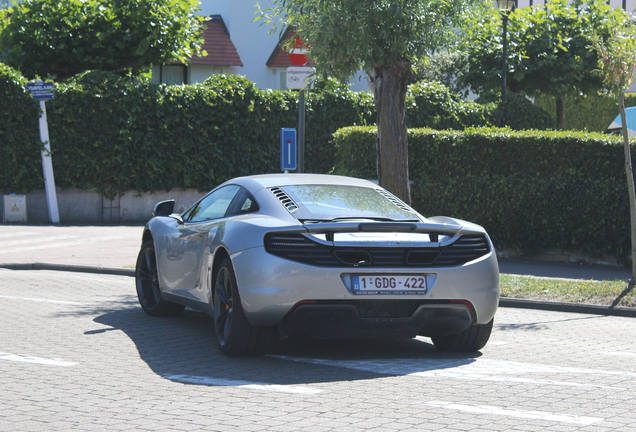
287,149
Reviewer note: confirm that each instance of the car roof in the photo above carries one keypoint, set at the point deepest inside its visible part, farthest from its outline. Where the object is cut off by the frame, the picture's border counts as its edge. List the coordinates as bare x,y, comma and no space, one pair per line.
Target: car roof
273,180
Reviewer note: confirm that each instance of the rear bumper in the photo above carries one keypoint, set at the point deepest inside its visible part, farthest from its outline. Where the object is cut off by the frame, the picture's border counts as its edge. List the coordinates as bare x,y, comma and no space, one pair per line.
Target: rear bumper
333,320
270,286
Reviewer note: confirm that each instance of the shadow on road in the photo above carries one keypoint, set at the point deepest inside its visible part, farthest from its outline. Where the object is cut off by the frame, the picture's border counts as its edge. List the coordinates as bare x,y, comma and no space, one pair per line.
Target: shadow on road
186,346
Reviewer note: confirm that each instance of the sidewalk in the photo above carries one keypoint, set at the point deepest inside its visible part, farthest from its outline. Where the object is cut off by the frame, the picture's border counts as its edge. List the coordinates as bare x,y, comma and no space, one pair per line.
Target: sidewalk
114,249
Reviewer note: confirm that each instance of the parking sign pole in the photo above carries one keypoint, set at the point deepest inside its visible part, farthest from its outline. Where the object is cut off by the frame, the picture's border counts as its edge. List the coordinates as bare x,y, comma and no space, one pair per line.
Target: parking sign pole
47,168
301,131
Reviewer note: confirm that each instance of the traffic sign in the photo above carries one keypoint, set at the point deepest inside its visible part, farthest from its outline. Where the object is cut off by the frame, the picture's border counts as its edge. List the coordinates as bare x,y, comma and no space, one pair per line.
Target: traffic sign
299,77
298,53
287,149
41,91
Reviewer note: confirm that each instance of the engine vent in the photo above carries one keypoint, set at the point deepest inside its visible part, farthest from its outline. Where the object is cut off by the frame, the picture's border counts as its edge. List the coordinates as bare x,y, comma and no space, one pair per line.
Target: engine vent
300,248
465,249
395,200
284,199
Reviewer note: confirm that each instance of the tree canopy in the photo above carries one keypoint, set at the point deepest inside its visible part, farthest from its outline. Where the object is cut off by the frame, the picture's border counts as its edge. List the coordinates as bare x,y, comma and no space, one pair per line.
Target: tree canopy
549,49
384,38
60,38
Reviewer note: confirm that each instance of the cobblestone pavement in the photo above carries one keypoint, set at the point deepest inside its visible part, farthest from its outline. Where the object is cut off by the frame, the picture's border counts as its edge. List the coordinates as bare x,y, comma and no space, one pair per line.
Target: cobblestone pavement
78,353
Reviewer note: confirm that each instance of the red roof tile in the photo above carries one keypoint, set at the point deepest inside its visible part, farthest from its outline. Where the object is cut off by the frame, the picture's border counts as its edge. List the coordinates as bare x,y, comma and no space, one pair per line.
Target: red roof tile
221,50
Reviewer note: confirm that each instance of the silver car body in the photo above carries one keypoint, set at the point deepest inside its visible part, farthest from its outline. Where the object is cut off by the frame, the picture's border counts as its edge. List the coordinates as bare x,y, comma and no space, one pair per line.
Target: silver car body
272,285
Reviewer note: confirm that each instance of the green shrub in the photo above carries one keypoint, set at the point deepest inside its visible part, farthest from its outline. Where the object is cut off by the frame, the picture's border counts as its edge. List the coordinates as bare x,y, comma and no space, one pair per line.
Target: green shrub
586,113
521,113
432,105
531,190
20,144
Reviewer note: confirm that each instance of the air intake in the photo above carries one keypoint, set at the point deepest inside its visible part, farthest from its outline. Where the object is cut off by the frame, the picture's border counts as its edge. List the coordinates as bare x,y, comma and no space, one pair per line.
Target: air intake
395,200
284,199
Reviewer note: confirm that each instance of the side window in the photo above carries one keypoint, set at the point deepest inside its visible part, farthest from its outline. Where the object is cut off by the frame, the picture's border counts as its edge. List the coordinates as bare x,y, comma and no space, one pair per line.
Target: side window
243,204
213,206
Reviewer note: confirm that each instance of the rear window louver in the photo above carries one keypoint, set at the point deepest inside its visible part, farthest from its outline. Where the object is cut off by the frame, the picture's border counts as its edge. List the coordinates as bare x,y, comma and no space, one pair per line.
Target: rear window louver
300,248
284,199
395,200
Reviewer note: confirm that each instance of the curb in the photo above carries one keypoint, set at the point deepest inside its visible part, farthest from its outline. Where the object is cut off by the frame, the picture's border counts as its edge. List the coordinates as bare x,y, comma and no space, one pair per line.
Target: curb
69,268
568,307
503,302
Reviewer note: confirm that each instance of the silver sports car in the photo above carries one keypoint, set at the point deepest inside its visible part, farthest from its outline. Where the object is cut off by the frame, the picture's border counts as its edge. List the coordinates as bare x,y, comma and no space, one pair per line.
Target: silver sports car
271,256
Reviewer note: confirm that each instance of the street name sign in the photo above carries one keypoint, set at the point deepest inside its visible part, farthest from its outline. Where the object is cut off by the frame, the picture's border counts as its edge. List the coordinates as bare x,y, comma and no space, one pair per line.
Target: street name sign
41,91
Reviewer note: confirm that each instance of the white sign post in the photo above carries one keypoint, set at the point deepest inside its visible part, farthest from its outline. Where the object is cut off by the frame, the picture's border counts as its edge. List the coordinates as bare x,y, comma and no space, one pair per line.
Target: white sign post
42,92
297,79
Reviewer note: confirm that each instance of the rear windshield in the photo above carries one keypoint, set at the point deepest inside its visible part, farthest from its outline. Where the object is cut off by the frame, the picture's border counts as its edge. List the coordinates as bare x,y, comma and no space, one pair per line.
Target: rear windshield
329,202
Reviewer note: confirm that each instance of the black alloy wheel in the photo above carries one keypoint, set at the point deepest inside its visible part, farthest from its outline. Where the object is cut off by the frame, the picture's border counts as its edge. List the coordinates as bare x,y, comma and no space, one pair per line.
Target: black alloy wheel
148,289
223,306
234,334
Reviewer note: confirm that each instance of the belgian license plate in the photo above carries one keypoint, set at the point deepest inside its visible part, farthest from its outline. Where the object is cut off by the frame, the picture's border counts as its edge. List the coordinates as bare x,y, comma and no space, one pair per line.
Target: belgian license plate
389,285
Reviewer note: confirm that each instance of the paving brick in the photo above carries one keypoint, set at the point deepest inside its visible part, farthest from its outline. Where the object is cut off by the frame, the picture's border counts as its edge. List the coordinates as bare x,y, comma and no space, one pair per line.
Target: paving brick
552,362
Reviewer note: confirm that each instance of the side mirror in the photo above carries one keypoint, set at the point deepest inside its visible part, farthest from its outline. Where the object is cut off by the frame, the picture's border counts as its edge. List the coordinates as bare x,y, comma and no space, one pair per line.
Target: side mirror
164,208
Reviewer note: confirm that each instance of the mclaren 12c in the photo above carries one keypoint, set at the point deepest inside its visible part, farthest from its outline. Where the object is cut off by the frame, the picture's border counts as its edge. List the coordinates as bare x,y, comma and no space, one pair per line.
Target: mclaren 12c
321,256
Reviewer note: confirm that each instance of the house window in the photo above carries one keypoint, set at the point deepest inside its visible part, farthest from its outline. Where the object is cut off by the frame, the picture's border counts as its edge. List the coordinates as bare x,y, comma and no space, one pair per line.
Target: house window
283,80
170,74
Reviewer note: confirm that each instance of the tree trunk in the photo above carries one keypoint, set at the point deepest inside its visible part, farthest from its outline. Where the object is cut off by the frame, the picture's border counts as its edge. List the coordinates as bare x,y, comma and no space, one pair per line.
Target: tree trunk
630,182
389,83
560,114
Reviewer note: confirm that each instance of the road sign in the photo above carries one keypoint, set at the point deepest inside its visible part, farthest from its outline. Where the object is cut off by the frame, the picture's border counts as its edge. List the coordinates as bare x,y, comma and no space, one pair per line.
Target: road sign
298,53
287,149
41,91
298,77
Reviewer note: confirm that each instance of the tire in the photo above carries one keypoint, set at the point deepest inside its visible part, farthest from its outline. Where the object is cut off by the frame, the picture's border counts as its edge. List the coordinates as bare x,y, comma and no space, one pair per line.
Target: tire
234,334
147,282
472,339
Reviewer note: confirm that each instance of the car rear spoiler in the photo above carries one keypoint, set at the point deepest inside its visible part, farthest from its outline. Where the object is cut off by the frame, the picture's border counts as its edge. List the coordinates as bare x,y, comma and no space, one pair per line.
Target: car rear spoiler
448,227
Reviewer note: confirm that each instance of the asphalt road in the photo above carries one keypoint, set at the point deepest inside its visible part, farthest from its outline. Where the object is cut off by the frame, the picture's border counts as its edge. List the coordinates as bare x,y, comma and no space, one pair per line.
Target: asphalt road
78,353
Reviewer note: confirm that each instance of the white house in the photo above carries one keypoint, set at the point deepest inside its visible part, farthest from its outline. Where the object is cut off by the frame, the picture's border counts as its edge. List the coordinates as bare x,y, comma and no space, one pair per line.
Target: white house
237,45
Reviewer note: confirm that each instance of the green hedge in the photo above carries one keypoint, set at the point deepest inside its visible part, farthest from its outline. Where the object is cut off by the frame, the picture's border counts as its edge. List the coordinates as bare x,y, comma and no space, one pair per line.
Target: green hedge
586,113
531,190
432,105
111,134
19,137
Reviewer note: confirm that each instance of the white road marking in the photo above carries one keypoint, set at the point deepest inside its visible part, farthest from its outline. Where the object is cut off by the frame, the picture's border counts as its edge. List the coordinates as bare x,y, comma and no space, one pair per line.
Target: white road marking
466,369
19,234
57,245
37,240
617,353
40,300
37,360
242,384
530,415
